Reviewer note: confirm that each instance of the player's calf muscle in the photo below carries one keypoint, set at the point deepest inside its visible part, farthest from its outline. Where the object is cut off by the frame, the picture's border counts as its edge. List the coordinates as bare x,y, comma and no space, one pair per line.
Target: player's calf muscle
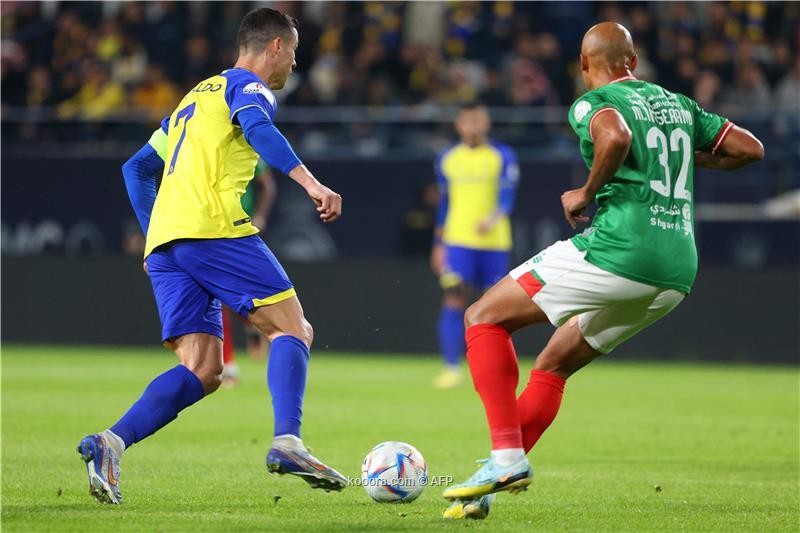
566,352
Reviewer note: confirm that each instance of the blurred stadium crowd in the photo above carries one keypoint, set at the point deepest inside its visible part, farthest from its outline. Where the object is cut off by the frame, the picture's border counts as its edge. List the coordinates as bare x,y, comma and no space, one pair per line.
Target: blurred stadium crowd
100,60
378,82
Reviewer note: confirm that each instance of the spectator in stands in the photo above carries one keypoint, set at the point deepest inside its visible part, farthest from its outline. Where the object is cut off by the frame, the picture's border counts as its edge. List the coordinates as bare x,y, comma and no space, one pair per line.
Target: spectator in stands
157,96
130,64
787,92
109,43
707,89
750,89
426,54
98,96
198,60
39,97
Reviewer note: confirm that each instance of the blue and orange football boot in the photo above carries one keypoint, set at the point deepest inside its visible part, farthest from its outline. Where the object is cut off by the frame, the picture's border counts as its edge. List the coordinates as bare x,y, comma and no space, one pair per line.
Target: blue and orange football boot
295,459
102,465
491,478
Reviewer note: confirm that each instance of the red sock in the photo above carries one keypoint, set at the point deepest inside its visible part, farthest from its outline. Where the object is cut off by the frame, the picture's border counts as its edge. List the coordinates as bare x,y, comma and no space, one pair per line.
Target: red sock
493,364
228,350
538,405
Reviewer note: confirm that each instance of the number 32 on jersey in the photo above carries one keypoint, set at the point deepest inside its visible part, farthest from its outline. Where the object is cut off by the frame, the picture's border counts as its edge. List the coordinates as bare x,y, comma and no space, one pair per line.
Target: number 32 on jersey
679,141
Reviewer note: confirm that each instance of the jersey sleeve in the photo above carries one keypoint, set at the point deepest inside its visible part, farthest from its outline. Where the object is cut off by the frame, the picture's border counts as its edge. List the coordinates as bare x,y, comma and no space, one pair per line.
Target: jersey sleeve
244,93
509,179
583,112
441,183
141,177
710,129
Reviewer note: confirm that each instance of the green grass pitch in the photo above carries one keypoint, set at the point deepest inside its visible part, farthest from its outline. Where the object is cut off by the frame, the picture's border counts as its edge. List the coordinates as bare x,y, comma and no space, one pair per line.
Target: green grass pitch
721,442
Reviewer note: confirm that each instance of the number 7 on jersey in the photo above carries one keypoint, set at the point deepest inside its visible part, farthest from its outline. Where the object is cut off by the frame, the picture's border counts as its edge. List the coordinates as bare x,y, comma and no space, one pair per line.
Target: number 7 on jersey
187,113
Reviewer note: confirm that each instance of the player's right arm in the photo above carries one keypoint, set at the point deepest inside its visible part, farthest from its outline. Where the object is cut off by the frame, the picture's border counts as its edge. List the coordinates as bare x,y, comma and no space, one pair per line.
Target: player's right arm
141,173
612,139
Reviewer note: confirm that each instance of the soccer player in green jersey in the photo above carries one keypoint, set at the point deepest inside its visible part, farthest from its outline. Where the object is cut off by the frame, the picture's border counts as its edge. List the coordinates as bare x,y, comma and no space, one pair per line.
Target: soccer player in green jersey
634,264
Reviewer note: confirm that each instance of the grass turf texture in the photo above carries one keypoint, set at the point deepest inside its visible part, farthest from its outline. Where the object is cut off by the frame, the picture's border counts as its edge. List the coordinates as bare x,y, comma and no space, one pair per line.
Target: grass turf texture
720,442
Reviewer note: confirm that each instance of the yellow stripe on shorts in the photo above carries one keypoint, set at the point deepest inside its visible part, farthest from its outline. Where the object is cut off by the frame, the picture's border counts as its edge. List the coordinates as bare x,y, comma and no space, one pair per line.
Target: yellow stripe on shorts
275,298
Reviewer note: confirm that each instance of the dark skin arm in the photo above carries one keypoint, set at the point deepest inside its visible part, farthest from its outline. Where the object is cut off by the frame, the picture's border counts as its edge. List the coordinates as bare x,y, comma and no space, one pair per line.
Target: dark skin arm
612,140
739,148
265,199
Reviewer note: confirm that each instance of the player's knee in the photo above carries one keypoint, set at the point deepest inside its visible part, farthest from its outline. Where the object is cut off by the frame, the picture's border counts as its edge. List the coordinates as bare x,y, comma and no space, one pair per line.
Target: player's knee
478,313
209,374
306,333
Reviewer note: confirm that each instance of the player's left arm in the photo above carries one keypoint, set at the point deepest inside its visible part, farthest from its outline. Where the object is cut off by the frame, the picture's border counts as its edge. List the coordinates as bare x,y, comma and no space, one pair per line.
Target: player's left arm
612,138
737,149
507,192
272,146
719,143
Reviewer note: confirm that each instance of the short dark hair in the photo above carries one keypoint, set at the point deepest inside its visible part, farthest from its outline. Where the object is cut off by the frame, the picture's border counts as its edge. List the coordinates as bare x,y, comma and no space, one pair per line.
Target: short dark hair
261,26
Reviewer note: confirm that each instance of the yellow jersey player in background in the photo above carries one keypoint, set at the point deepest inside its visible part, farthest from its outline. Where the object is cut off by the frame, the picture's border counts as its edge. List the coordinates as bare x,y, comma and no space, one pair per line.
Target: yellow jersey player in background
472,246
202,250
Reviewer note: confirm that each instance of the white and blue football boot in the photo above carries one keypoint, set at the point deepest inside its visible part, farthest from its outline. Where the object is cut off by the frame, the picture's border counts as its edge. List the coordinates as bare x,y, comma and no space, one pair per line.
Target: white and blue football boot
491,478
473,509
286,457
102,465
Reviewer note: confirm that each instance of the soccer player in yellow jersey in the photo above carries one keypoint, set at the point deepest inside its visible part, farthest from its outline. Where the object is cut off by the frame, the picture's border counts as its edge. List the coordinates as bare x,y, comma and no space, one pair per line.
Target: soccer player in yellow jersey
477,183
202,249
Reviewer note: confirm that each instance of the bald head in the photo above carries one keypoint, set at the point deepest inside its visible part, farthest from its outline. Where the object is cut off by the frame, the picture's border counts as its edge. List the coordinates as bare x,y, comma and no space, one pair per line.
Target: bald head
607,49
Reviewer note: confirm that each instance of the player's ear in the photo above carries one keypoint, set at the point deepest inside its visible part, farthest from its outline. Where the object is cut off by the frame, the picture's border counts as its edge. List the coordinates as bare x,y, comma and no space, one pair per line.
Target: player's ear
274,47
584,63
634,62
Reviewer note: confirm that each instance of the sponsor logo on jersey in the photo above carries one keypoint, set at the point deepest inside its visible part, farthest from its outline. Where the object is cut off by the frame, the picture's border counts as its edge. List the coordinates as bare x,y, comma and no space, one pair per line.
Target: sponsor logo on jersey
258,88
581,109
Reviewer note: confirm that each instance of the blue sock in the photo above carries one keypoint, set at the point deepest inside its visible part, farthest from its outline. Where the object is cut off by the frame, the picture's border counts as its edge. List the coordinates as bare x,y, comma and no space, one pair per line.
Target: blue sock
162,400
451,335
286,379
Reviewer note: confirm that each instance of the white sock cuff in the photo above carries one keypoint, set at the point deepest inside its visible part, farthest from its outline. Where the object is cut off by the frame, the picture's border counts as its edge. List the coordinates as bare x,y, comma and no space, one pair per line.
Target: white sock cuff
508,456
115,441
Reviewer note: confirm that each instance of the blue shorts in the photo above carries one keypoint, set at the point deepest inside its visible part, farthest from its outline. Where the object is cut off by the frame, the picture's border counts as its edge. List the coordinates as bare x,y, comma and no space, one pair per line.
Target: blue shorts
479,269
191,277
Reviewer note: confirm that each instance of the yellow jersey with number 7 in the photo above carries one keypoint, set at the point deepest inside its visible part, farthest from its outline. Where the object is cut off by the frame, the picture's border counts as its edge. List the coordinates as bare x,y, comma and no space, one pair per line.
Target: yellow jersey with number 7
208,162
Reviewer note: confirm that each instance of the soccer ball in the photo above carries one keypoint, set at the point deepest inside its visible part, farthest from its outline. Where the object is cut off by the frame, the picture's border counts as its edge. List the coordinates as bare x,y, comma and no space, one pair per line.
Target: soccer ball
394,472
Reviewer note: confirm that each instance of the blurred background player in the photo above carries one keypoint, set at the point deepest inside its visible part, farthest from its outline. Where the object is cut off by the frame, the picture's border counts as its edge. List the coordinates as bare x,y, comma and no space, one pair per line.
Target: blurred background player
472,244
634,265
257,200
202,248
